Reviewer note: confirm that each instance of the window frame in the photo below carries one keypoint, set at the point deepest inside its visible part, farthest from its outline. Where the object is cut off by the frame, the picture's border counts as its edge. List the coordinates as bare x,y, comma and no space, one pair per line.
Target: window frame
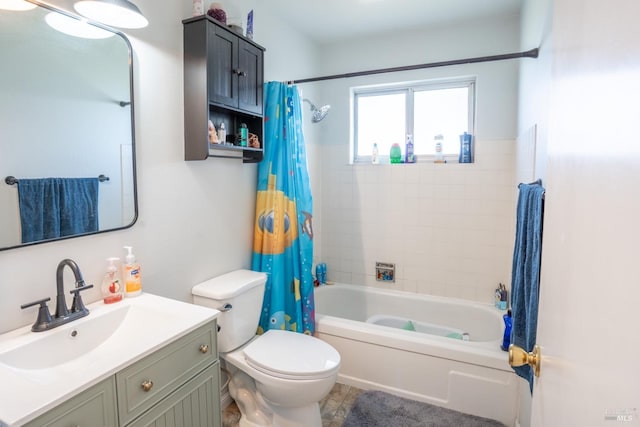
409,89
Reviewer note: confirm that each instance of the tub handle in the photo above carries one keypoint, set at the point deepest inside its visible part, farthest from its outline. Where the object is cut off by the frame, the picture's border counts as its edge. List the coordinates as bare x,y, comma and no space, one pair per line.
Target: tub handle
225,308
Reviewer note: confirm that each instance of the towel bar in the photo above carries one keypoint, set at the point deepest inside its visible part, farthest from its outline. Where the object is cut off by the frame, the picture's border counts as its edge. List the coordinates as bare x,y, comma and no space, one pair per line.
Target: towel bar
12,180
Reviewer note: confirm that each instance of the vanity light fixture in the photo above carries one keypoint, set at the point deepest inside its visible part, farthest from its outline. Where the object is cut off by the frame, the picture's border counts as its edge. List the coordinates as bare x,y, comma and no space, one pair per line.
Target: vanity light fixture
17,5
74,27
114,13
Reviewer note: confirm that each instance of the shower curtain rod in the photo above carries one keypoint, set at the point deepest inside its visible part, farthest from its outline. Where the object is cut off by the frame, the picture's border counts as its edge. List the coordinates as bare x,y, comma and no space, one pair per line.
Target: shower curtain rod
533,53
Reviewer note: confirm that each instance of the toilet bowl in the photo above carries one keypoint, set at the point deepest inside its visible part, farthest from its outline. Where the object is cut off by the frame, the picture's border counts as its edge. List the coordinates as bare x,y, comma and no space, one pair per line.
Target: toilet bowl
277,378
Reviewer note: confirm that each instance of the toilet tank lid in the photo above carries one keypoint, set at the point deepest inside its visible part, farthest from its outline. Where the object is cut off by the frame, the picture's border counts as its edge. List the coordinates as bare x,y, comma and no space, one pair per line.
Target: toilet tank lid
229,285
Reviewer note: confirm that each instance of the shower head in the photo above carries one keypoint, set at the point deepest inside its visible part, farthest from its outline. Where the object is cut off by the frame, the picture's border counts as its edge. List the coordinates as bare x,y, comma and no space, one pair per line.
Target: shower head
317,114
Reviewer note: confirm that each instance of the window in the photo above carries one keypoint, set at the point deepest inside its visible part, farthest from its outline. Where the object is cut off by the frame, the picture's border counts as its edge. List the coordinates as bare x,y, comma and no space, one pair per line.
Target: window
385,115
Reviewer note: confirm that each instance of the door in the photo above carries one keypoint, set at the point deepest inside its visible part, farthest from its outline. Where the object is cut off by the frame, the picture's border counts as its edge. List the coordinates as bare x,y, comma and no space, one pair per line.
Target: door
222,66
250,77
589,313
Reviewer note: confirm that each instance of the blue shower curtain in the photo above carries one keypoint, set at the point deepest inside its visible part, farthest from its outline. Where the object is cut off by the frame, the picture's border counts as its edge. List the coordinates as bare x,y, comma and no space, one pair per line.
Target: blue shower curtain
283,239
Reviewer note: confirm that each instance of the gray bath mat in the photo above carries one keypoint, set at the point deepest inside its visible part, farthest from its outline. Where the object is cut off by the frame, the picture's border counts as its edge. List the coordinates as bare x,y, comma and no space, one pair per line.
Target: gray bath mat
380,409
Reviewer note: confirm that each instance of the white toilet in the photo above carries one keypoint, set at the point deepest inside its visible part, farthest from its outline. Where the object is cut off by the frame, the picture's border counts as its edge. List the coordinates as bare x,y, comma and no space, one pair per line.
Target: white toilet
277,378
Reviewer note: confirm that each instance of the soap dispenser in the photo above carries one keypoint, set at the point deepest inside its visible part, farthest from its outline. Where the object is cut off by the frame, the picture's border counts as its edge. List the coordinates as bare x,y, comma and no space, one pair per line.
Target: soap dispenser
111,288
131,272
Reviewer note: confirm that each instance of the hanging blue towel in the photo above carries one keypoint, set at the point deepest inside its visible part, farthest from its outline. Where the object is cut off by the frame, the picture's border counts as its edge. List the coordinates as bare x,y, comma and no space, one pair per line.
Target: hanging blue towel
525,275
57,207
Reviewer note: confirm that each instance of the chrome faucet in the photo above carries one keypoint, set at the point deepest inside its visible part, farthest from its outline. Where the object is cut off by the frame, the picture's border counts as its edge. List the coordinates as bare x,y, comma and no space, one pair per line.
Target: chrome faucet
63,314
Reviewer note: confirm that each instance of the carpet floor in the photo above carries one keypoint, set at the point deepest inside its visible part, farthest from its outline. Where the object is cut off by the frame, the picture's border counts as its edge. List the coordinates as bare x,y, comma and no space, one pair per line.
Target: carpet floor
380,409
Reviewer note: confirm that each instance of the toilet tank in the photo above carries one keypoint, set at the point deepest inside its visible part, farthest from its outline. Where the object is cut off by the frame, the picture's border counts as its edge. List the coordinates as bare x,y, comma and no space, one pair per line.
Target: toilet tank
244,291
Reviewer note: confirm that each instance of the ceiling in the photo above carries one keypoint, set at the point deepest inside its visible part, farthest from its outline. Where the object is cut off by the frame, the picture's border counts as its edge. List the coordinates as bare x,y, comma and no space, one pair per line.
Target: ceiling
325,21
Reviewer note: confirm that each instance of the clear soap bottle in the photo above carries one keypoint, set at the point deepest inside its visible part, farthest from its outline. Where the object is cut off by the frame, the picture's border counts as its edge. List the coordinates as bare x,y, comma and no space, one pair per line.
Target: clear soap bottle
111,287
375,159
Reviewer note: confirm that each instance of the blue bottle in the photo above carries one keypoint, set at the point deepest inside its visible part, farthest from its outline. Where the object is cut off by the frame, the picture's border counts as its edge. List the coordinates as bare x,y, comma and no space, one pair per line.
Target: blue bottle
506,339
466,149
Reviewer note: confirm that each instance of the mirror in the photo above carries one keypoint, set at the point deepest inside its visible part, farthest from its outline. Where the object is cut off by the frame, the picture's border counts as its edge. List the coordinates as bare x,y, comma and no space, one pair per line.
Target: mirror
66,111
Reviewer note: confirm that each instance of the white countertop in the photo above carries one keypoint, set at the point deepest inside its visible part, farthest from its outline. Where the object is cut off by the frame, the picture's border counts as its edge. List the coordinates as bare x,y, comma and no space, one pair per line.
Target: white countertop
26,393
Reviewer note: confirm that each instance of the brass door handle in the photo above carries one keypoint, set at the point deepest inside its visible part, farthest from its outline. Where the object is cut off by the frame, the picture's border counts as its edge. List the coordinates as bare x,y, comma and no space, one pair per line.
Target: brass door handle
518,357
147,385
204,348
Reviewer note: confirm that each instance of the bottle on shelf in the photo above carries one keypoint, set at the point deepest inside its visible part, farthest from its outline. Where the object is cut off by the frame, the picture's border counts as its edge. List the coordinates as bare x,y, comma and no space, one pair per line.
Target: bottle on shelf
409,156
375,159
395,155
439,157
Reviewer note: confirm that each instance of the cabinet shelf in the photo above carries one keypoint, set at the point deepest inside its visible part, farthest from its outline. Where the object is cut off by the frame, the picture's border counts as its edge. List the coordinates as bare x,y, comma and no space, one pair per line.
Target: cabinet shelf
223,83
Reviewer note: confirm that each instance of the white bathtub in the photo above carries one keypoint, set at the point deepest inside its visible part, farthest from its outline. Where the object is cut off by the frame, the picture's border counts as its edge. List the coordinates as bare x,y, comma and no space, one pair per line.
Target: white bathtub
471,376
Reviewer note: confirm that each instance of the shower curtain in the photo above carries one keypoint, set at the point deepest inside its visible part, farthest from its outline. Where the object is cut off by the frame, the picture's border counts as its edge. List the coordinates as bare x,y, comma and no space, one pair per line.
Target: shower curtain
283,232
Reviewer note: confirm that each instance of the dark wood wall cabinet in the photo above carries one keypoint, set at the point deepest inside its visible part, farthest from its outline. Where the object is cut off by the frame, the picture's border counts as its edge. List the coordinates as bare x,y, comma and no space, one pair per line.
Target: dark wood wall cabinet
223,82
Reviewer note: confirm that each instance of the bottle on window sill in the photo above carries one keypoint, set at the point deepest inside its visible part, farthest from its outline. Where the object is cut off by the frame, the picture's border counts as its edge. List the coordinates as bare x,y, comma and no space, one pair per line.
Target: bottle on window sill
395,155
374,154
439,157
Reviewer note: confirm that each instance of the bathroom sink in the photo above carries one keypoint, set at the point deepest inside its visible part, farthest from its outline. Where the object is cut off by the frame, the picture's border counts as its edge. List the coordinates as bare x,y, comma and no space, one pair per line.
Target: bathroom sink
65,344
45,350
42,369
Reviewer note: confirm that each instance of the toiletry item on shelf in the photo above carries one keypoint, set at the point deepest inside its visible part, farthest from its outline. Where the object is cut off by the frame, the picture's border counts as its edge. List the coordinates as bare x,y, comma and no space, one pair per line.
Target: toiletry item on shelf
466,148
111,288
198,7
243,133
395,155
321,273
409,156
213,135
506,339
501,297
216,11
374,155
439,157
250,25
131,274
222,134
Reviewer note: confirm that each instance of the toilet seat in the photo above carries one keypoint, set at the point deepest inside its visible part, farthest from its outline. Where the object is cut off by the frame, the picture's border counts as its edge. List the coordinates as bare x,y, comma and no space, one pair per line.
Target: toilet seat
290,355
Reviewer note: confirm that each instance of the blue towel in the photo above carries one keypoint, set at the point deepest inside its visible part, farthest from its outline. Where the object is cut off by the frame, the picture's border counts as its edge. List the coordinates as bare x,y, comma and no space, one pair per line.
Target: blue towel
525,275
57,207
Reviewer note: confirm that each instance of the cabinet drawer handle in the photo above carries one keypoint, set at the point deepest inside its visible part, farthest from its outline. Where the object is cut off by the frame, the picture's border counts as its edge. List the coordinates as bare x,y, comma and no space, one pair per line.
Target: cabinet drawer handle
240,73
204,349
147,385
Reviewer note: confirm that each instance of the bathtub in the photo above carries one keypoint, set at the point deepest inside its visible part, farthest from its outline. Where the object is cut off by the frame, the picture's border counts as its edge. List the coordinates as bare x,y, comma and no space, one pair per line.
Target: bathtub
438,350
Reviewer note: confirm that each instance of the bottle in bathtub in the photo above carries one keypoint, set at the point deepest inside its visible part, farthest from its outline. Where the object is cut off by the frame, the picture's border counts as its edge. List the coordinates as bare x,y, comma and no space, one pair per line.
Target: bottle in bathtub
506,339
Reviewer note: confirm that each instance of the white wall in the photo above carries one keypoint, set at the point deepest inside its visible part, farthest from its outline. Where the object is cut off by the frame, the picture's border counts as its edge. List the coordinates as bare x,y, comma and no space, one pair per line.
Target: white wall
196,218
448,228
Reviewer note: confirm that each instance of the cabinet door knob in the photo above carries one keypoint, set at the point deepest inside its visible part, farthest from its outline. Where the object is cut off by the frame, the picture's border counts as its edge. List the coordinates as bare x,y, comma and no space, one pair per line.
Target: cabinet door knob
146,385
204,348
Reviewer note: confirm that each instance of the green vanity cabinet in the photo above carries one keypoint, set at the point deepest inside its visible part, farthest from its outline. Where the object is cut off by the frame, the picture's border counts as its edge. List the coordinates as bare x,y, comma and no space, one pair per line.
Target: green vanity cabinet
178,385
93,407
195,404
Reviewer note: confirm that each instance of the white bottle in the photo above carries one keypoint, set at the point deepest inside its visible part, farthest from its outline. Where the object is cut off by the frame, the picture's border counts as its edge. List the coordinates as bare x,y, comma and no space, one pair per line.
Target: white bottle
222,134
131,275
439,157
374,155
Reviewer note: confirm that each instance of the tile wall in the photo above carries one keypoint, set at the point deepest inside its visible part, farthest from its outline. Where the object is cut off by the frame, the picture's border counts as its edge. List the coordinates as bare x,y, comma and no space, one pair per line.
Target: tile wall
448,228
